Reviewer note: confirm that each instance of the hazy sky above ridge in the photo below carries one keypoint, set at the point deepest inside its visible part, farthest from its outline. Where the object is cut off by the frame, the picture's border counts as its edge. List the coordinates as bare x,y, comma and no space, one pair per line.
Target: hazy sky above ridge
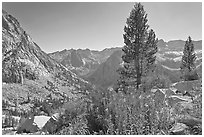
58,26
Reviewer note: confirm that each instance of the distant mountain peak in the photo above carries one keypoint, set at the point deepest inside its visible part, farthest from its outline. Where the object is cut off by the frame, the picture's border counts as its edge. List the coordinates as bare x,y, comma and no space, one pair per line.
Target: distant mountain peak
161,40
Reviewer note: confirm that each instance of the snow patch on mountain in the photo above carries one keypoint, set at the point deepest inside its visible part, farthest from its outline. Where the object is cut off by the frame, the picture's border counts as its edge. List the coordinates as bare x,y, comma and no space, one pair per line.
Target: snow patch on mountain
172,69
178,53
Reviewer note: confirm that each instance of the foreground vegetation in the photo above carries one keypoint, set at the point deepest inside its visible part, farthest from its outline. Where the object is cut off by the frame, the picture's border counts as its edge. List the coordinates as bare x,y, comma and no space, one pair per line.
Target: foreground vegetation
114,113
135,113
142,103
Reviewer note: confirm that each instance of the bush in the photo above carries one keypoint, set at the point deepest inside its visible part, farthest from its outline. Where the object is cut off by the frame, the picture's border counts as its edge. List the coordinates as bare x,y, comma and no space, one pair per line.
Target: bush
73,116
189,75
135,113
77,126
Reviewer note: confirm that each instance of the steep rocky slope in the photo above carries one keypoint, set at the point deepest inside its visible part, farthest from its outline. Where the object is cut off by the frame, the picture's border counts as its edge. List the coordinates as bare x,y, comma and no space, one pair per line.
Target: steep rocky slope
29,74
20,53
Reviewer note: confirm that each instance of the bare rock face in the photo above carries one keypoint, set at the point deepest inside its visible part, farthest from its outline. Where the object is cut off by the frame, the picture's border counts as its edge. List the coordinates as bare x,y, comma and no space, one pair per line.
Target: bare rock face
21,56
186,86
29,73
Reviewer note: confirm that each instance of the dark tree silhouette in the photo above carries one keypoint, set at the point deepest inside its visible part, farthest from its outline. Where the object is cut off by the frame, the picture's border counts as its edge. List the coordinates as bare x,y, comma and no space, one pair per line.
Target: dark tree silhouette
188,61
139,49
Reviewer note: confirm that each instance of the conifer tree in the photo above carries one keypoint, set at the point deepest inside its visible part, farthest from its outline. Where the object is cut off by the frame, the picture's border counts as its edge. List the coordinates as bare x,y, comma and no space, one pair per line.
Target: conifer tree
140,47
188,61
150,51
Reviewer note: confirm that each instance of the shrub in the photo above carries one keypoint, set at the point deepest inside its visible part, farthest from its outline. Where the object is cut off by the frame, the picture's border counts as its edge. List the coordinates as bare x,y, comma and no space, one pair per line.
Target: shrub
189,75
136,114
78,126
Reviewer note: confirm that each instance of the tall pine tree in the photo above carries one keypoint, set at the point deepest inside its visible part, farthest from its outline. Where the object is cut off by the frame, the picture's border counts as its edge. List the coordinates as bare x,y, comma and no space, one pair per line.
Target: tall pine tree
139,49
188,61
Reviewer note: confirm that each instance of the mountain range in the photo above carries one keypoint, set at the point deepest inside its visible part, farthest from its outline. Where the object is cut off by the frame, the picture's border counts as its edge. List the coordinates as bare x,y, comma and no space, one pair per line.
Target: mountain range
73,69
99,67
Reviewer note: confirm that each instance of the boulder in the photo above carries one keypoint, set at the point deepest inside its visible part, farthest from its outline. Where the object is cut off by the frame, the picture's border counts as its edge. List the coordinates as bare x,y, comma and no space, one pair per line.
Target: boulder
40,121
189,120
178,129
52,124
27,125
186,86
168,92
173,100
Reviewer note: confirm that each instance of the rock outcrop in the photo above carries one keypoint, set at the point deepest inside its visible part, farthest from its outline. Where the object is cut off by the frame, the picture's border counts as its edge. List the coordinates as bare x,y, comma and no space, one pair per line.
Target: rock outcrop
30,75
21,56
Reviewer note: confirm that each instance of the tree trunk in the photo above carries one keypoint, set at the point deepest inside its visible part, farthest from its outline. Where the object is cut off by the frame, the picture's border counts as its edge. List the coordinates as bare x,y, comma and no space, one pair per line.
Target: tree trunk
137,67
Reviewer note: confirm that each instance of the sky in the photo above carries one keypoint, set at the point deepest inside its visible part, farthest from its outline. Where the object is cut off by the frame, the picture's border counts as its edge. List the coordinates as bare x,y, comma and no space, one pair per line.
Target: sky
57,26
